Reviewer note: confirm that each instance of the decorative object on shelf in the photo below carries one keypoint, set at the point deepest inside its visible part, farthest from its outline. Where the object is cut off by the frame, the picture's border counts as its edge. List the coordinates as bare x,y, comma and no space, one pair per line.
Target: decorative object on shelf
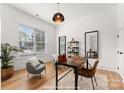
6,57
73,48
58,17
72,40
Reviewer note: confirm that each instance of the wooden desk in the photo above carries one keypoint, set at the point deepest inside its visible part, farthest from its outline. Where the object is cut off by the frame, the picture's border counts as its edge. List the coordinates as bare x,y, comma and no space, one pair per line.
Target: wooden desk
74,65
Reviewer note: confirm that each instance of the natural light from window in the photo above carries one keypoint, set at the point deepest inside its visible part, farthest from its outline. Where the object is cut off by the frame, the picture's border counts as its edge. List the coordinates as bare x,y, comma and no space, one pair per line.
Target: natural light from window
32,40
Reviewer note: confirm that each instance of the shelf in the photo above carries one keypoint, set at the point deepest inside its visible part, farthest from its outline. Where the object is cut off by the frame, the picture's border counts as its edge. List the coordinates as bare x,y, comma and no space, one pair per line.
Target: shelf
74,42
73,52
73,48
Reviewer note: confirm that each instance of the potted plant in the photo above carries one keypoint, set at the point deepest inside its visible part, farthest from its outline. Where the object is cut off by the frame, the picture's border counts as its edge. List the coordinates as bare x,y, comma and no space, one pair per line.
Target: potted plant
6,57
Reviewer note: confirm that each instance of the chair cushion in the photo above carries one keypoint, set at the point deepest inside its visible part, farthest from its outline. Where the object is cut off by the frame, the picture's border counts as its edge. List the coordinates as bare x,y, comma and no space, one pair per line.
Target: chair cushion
86,72
34,61
40,68
38,65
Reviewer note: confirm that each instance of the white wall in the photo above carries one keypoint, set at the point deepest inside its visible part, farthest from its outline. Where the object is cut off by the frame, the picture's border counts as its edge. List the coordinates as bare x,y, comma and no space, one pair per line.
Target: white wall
105,23
11,18
120,26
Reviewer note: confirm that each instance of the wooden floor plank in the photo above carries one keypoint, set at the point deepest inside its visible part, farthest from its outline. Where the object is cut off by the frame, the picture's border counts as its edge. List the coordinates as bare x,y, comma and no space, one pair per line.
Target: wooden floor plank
20,80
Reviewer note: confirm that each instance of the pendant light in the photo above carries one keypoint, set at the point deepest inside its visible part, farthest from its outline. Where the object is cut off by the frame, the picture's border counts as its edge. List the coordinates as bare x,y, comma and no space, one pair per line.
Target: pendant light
58,17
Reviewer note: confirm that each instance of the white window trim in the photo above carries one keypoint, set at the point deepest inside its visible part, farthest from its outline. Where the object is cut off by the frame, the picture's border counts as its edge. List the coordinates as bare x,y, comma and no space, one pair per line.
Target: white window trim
34,53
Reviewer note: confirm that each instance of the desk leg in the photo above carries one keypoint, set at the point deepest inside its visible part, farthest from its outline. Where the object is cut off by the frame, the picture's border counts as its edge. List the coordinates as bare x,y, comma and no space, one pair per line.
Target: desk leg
56,76
87,63
76,79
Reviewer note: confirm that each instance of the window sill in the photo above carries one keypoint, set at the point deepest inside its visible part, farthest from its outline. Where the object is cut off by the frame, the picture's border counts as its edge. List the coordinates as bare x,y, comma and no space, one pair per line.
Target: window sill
30,54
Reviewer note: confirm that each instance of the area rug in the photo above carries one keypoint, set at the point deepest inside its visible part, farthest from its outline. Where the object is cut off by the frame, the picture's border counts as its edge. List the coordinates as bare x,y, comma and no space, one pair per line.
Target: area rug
67,83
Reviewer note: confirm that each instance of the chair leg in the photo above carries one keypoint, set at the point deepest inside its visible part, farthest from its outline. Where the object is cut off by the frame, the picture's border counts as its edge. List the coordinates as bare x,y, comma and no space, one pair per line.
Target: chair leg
92,84
95,81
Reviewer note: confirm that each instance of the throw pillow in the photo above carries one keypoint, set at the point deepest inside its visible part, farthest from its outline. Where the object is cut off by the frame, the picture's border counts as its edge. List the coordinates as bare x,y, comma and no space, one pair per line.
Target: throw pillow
33,60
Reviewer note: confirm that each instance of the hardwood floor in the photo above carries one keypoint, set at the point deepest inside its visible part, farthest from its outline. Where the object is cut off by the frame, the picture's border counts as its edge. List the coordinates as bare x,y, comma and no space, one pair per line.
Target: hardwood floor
20,80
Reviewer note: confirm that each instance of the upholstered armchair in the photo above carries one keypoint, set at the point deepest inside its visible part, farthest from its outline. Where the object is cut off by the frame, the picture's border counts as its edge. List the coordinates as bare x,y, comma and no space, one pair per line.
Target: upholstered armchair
89,72
37,69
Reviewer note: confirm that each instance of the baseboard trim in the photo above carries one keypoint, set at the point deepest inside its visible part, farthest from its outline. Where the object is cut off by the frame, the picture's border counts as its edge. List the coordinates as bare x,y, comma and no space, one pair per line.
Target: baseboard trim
109,69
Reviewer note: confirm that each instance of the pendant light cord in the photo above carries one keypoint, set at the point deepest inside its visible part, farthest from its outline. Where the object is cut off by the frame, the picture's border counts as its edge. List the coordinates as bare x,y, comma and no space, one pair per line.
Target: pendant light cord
58,6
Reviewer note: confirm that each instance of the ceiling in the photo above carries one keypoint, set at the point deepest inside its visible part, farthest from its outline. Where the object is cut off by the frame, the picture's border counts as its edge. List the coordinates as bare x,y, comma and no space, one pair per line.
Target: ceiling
71,11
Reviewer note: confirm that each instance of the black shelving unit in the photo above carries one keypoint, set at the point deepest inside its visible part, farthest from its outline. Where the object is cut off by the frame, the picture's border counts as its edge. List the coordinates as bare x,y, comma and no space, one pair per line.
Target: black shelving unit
73,48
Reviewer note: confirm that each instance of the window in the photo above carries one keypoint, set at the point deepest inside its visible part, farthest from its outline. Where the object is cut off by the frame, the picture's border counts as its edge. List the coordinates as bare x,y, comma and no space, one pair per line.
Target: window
32,40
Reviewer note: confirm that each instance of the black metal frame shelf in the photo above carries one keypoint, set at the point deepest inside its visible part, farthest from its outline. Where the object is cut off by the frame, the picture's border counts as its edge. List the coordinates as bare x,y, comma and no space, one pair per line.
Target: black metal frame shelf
73,48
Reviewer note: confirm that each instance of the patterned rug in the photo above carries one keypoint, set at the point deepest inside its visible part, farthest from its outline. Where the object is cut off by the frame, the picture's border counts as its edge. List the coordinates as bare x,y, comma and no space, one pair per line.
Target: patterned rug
67,83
